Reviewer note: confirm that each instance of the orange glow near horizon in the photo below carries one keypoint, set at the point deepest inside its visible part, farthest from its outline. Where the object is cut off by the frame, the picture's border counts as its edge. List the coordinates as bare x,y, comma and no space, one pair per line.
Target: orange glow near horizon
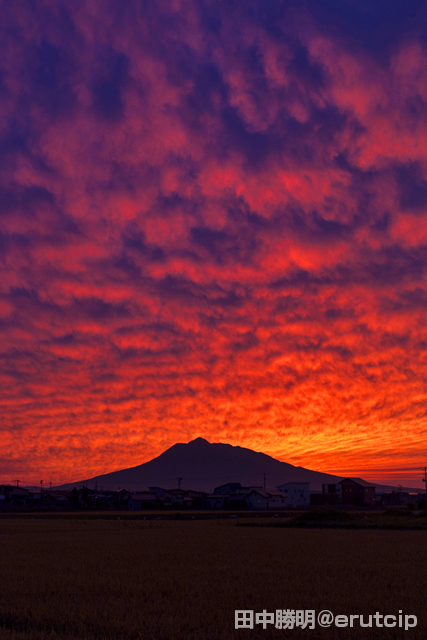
210,234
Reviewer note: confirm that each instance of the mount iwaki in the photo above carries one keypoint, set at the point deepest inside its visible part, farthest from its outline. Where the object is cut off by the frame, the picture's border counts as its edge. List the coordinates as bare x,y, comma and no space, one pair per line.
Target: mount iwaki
202,466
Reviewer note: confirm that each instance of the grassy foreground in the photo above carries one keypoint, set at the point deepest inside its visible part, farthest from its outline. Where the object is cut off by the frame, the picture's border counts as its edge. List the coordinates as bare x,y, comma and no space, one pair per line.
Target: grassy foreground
182,580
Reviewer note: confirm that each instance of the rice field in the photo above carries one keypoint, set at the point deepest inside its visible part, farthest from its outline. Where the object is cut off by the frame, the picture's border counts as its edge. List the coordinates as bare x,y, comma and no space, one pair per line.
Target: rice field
98,579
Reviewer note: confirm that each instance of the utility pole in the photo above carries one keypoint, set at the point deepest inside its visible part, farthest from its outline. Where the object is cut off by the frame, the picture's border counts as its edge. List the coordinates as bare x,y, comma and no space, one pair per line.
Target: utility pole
41,487
425,479
179,483
50,486
17,482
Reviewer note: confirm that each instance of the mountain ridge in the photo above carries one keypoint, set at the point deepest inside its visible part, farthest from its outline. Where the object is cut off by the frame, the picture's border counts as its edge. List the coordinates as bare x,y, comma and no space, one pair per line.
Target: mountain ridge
202,465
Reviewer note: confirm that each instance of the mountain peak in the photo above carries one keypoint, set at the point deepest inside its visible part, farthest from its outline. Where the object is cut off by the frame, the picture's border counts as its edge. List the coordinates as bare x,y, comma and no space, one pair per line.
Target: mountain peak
199,441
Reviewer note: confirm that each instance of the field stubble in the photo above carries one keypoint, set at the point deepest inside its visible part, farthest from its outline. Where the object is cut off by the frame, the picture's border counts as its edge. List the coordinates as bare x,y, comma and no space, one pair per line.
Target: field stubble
173,580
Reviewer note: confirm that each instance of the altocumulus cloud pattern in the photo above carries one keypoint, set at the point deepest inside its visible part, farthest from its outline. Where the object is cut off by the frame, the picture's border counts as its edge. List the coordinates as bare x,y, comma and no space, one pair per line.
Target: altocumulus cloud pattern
212,222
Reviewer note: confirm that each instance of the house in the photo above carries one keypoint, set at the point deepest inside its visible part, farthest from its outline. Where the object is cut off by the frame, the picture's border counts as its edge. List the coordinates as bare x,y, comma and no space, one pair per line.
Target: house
10,491
228,489
176,496
13,490
42,500
98,500
276,499
257,499
265,499
297,493
186,498
352,492
62,500
158,491
233,496
357,492
236,493
142,500
183,498
13,496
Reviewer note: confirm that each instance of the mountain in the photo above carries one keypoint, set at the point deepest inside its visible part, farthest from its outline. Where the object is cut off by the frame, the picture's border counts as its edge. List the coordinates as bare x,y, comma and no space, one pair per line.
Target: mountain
202,465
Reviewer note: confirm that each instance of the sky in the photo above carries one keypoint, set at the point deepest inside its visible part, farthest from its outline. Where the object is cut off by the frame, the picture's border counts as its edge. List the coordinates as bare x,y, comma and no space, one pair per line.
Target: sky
213,223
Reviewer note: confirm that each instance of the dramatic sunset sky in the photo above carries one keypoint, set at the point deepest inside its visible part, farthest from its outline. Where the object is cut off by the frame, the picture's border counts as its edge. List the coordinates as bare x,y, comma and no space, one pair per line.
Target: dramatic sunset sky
213,222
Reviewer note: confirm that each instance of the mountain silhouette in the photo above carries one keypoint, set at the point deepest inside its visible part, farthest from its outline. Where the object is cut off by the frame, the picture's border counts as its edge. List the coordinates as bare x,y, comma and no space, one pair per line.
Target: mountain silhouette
202,466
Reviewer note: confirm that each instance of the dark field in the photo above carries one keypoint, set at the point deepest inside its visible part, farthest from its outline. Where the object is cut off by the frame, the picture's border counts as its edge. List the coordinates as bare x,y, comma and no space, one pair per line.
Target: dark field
82,578
340,519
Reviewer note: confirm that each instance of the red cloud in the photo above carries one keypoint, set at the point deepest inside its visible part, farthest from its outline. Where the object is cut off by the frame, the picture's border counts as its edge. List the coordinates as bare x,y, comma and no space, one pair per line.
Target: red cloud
209,233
